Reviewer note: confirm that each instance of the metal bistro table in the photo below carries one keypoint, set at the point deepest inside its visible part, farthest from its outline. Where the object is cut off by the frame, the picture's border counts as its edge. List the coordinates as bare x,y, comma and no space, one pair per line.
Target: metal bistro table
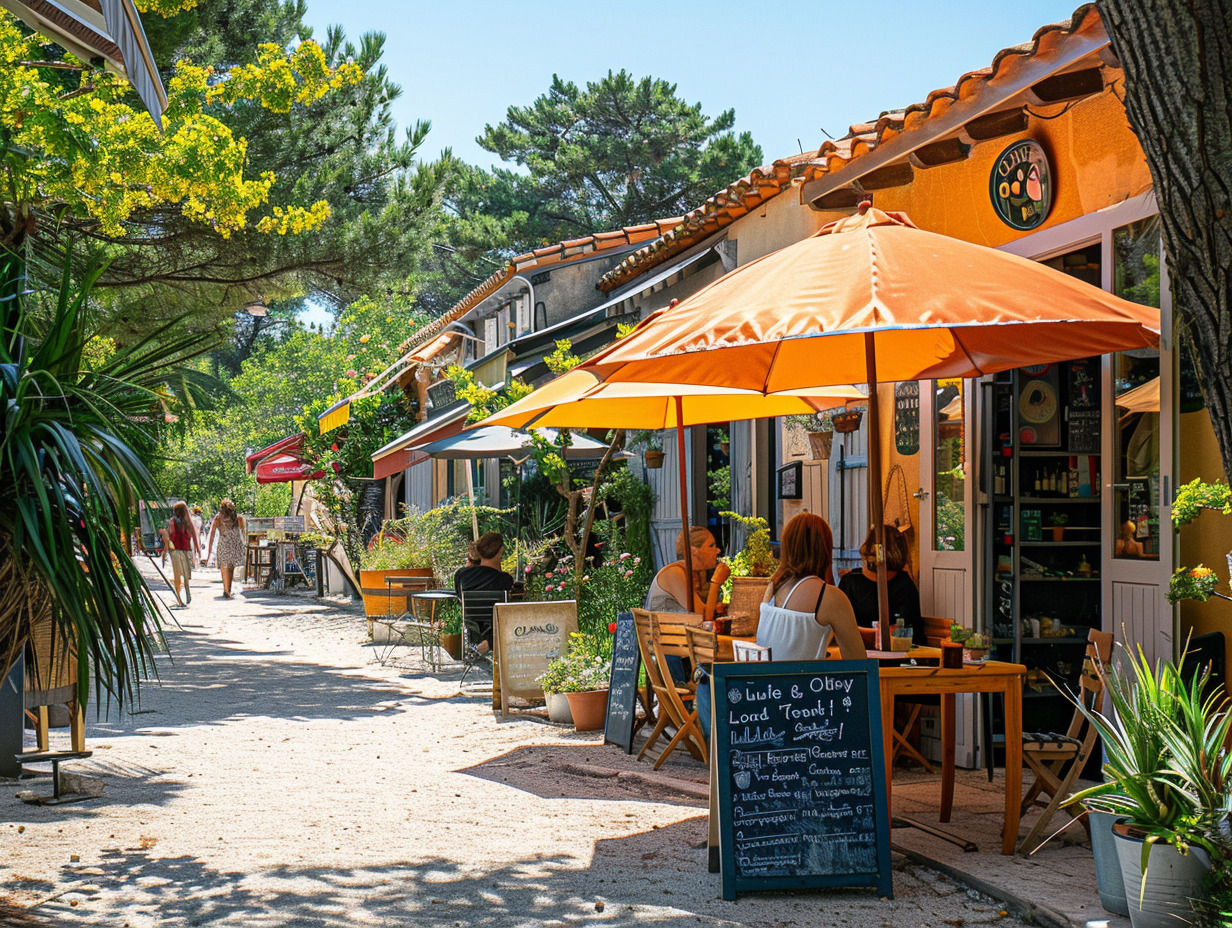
430,630
987,677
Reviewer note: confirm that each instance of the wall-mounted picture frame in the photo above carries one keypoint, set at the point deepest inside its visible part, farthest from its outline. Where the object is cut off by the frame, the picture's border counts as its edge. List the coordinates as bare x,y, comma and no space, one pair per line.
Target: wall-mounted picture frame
791,480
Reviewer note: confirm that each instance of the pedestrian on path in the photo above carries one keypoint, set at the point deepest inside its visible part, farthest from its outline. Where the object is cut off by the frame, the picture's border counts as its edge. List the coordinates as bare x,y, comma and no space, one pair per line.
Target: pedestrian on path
228,526
182,540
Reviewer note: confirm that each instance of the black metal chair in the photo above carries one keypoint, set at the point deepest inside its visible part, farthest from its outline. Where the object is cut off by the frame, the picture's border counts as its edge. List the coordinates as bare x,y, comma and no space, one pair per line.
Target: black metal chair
477,609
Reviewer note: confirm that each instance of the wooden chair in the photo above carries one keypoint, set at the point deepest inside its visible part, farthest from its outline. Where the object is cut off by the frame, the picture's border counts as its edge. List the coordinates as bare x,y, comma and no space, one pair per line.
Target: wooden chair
703,646
668,694
750,651
51,680
1057,760
670,639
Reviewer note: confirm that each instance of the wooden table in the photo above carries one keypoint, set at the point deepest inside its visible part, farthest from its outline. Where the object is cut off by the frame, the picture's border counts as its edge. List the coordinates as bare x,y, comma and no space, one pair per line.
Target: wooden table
988,677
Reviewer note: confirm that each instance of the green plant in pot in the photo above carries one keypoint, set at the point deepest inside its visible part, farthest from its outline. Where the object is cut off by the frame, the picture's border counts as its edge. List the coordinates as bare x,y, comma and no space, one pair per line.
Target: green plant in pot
451,629
751,569
650,443
1058,521
582,672
1167,776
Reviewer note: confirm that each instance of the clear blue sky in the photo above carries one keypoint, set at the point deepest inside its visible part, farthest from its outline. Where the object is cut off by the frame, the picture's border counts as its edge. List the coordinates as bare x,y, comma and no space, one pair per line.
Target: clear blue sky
788,69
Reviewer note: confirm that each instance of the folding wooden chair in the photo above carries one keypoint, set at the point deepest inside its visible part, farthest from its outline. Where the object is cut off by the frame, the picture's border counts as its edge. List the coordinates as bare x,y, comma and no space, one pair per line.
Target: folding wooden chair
751,651
703,645
1057,760
668,694
670,639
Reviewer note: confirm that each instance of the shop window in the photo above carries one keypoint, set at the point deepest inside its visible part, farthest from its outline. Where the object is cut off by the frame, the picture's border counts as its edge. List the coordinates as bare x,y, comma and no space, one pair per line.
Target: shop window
1136,253
949,467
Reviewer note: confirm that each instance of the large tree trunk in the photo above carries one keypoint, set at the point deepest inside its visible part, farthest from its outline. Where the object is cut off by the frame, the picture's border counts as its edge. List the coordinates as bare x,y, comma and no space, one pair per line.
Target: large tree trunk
1177,57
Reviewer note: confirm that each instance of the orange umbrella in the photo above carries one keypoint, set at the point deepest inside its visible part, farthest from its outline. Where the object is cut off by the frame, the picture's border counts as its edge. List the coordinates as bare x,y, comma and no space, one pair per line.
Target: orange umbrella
870,298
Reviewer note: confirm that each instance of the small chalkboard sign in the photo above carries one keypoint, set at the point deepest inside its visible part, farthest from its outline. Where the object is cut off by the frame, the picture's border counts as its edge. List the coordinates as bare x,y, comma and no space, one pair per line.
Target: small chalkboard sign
1083,410
800,770
622,686
907,417
371,507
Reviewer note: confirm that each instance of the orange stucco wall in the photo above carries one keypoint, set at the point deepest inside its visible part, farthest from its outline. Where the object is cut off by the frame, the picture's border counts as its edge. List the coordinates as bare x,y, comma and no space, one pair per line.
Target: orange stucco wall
1096,162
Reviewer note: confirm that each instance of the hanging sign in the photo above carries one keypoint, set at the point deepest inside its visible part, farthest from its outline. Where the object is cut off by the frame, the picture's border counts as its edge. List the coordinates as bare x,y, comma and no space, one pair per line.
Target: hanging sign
907,417
800,774
1020,186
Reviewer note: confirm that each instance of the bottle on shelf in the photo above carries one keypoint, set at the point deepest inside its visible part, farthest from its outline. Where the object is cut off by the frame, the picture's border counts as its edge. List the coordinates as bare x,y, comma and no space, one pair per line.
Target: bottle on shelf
1037,481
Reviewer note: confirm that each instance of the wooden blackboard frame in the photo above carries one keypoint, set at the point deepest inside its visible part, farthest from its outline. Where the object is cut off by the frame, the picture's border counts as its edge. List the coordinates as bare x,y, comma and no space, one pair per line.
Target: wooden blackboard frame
622,685
551,622
882,878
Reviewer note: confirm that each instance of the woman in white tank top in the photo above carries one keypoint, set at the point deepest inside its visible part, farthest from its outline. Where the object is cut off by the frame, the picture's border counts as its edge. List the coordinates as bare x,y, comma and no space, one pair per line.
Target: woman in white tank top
801,611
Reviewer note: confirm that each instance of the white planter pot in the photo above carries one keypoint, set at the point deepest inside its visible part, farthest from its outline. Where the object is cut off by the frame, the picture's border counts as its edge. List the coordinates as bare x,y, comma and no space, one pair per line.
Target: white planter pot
558,708
1107,864
1172,880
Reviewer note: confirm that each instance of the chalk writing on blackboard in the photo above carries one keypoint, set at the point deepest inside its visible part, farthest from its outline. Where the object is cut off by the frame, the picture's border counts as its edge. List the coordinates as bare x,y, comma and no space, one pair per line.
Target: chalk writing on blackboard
801,777
622,686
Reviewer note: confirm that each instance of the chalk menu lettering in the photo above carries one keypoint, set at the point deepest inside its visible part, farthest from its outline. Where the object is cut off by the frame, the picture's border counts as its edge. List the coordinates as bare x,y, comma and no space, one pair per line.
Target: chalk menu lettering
622,686
801,776
371,507
528,636
1083,412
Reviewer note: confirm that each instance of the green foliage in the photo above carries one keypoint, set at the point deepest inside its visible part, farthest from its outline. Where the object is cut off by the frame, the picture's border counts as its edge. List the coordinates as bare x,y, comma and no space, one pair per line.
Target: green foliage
73,464
1167,767
645,440
719,486
580,670
271,499
484,401
436,538
1058,519
755,559
812,422
1197,583
617,152
562,359
636,501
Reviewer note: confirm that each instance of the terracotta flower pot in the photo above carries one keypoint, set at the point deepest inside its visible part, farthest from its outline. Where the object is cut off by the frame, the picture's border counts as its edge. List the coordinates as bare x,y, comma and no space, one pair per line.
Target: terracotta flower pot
653,459
1058,532
589,709
452,643
377,600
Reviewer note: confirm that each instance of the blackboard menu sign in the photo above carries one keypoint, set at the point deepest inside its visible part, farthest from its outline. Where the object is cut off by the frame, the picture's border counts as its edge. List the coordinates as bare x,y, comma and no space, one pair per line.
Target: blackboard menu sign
622,686
907,417
799,765
1083,407
371,507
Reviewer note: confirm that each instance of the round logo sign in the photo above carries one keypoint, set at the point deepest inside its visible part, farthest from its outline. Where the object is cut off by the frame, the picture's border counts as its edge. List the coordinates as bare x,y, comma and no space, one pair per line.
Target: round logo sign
1021,186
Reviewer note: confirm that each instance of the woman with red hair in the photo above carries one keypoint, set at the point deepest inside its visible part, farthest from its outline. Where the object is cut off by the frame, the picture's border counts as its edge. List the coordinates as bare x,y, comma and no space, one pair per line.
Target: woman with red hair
802,611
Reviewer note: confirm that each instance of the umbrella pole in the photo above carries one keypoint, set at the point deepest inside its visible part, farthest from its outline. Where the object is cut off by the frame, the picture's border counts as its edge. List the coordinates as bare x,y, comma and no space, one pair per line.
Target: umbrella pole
874,490
470,492
684,499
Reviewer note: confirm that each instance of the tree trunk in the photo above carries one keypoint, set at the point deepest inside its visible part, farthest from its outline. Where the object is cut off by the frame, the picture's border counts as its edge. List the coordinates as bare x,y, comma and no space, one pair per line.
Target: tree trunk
1177,58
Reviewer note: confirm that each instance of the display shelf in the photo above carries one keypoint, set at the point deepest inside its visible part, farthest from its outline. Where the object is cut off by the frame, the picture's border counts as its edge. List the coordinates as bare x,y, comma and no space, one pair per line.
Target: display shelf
1051,500
1058,579
1051,640
1055,453
1060,544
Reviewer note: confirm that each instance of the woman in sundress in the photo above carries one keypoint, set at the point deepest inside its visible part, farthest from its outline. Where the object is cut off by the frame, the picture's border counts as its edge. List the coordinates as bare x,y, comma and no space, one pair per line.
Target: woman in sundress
182,540
228,526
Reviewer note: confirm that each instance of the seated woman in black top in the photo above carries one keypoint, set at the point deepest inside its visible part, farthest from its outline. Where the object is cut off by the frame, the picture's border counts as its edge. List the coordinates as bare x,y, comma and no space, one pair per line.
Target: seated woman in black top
484,575
861,585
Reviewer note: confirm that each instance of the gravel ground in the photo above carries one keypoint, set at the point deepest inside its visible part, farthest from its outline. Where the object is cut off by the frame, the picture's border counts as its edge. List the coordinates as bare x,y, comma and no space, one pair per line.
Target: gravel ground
276,775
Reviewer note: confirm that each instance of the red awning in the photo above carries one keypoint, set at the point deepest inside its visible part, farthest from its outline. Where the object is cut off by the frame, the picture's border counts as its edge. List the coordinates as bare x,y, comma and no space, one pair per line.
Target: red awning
292,444
400,457
283,468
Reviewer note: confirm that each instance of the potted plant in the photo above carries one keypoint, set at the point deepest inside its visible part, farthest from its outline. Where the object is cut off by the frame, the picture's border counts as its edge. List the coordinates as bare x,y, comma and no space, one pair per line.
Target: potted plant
1168,774
402,548
582,677
651,444
848,420
1058,521
750,574
819,427
451,631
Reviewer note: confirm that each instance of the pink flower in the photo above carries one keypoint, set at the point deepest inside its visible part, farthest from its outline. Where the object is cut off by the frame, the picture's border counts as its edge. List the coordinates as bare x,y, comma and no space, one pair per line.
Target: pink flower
548,575
628,574
626,556
351,373
548,588
529,569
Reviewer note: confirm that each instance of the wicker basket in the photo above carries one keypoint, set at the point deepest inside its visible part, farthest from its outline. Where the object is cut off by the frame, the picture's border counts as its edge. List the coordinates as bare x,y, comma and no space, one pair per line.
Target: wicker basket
847,421
747,594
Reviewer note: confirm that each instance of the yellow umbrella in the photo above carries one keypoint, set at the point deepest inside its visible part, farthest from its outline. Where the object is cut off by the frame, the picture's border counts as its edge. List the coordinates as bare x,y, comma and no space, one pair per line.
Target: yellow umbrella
582,399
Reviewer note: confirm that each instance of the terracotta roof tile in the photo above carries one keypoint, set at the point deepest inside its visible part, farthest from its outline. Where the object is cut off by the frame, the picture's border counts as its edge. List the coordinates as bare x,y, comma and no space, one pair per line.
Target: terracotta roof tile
743,195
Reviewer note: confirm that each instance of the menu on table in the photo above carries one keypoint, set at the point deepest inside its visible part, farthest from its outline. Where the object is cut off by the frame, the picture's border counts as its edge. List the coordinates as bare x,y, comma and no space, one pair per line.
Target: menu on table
622,686
801,777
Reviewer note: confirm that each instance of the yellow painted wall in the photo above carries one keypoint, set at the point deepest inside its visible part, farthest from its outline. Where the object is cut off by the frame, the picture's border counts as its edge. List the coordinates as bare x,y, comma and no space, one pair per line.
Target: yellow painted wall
1096,162
1208,538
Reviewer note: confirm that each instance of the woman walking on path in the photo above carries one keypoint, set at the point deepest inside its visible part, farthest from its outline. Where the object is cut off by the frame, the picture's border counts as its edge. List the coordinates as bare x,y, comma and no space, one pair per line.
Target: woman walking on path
228,525
182,538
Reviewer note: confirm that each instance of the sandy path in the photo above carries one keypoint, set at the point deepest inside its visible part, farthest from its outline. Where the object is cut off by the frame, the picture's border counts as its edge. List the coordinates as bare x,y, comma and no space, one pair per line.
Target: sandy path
276,776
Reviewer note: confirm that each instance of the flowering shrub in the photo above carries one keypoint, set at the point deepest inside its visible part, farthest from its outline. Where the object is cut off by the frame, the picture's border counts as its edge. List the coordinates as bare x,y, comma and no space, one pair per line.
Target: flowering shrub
1192,583
1192,500
579,671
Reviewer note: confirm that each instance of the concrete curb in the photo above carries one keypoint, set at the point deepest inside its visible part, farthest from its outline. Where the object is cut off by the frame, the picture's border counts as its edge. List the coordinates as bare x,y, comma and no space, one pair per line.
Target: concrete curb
1024,908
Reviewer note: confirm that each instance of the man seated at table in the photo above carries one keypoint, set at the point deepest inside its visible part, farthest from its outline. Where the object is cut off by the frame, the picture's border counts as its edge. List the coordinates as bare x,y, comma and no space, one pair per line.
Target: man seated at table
484,574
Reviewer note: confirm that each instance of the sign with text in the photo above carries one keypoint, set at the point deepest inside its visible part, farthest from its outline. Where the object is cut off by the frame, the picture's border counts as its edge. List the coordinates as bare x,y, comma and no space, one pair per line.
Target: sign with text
622,686
527,636
801,776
